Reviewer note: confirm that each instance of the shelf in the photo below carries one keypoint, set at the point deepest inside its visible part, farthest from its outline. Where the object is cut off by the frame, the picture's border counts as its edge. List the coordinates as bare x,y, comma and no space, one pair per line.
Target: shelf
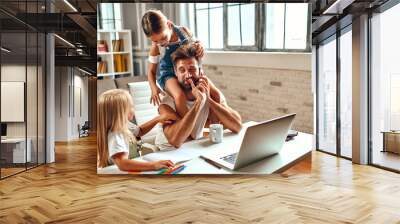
111,53
113,31
121,52
113,73
123,58
104,53
105,74
122,73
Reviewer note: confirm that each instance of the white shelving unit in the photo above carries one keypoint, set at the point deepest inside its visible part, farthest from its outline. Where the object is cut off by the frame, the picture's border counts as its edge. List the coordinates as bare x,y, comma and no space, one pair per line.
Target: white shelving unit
108,57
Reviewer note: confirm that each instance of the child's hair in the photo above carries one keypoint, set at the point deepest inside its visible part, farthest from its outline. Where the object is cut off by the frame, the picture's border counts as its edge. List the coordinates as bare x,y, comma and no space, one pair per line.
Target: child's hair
185,51
113,107
153,22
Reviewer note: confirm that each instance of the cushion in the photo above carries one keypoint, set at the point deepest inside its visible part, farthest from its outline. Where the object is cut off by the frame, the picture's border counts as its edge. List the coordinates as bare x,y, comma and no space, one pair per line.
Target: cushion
144,110
122,83
104,85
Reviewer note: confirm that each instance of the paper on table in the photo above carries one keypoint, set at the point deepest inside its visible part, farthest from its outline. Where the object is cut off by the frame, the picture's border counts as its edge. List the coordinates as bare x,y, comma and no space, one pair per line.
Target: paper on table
175,156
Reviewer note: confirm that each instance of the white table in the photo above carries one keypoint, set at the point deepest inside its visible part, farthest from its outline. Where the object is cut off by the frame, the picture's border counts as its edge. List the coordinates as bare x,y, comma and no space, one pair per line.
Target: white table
292,152
17,146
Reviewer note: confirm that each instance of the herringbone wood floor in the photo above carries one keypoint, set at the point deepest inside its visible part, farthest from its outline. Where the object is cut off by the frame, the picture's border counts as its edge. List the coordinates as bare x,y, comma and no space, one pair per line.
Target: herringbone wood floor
70,191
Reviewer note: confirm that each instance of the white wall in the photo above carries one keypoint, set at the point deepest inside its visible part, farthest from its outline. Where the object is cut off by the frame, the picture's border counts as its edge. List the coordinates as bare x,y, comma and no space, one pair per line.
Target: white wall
17,73
68,83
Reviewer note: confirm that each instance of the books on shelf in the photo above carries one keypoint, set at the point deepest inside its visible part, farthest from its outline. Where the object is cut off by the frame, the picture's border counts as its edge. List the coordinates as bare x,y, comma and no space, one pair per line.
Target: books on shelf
102,67
114,50
118,45
102,46
120,62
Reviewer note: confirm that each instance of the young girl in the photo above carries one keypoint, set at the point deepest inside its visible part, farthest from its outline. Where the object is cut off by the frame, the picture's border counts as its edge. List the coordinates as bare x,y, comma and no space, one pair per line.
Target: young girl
115,109
166,38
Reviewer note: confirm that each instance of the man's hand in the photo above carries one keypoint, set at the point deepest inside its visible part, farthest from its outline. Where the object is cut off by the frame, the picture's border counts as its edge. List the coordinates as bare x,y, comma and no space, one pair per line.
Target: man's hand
198,93
214,93
204,86
155,95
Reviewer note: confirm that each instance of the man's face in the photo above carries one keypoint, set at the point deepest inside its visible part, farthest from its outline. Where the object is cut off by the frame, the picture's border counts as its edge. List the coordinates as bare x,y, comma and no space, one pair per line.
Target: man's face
164,36
186,69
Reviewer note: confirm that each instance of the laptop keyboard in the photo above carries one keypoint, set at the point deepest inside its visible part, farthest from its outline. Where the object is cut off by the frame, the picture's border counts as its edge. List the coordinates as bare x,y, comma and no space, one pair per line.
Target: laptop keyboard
230,158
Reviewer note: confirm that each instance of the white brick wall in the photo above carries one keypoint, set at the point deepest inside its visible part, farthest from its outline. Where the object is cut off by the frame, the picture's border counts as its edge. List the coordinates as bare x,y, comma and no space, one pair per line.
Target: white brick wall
261,93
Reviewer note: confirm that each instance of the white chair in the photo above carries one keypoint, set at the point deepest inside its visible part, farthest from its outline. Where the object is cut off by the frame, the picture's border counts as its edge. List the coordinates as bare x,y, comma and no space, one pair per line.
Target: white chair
144,110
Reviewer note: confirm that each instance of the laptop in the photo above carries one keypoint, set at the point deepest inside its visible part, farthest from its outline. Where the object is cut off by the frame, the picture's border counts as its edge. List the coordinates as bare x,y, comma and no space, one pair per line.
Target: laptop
260,141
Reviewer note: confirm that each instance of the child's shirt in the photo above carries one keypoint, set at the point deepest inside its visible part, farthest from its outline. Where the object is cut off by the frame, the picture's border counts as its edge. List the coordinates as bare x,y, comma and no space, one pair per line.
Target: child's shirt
118,143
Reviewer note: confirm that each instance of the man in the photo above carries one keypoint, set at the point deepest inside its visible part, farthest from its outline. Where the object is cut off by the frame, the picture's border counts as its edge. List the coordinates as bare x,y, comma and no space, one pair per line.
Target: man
205,102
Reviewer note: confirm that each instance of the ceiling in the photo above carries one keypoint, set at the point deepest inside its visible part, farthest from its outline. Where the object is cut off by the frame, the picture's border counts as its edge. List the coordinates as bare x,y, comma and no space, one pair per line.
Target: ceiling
72,20
328,16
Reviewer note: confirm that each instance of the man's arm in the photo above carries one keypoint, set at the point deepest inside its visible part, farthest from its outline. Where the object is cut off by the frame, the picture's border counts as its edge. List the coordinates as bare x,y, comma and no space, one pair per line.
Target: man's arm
178,132
228,117
215,93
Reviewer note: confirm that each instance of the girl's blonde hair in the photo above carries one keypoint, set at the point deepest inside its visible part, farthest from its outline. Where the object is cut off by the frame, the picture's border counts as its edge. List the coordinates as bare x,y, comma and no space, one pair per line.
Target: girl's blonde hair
113,107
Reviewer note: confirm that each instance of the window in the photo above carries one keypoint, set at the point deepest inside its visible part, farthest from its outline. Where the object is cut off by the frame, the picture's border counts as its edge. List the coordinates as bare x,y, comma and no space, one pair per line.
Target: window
334,95
346,93
275,25
296,17
286,26
241,24
253,26
23,76
109,16
327,96
394,101
385,89
211,36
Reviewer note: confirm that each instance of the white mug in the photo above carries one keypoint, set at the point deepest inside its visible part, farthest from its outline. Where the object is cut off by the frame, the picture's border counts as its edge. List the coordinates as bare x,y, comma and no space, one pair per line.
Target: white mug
216,133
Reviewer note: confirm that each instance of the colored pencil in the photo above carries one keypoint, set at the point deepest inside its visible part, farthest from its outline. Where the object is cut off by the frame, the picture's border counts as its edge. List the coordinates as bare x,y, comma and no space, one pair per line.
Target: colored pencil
173,169
163,171
178,170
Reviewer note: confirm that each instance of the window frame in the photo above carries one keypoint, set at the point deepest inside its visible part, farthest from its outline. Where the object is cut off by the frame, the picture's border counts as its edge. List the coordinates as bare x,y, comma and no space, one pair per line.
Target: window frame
256,45
308,38
260,37
100,24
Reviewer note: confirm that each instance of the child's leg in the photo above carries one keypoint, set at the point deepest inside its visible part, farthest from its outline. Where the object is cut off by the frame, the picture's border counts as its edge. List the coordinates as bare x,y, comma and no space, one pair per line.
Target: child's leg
175,90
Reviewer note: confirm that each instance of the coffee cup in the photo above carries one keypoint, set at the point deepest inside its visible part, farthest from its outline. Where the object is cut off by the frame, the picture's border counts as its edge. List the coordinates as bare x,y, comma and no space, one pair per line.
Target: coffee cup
216,133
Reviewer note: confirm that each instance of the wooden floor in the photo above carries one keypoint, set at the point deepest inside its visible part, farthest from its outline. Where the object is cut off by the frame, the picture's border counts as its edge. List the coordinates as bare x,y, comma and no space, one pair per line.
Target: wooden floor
386,159
10,171
70,191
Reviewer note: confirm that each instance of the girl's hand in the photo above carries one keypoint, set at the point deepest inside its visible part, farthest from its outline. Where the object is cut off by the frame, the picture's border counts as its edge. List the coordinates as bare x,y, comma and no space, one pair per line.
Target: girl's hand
162,164
155,95
199,49
167,118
